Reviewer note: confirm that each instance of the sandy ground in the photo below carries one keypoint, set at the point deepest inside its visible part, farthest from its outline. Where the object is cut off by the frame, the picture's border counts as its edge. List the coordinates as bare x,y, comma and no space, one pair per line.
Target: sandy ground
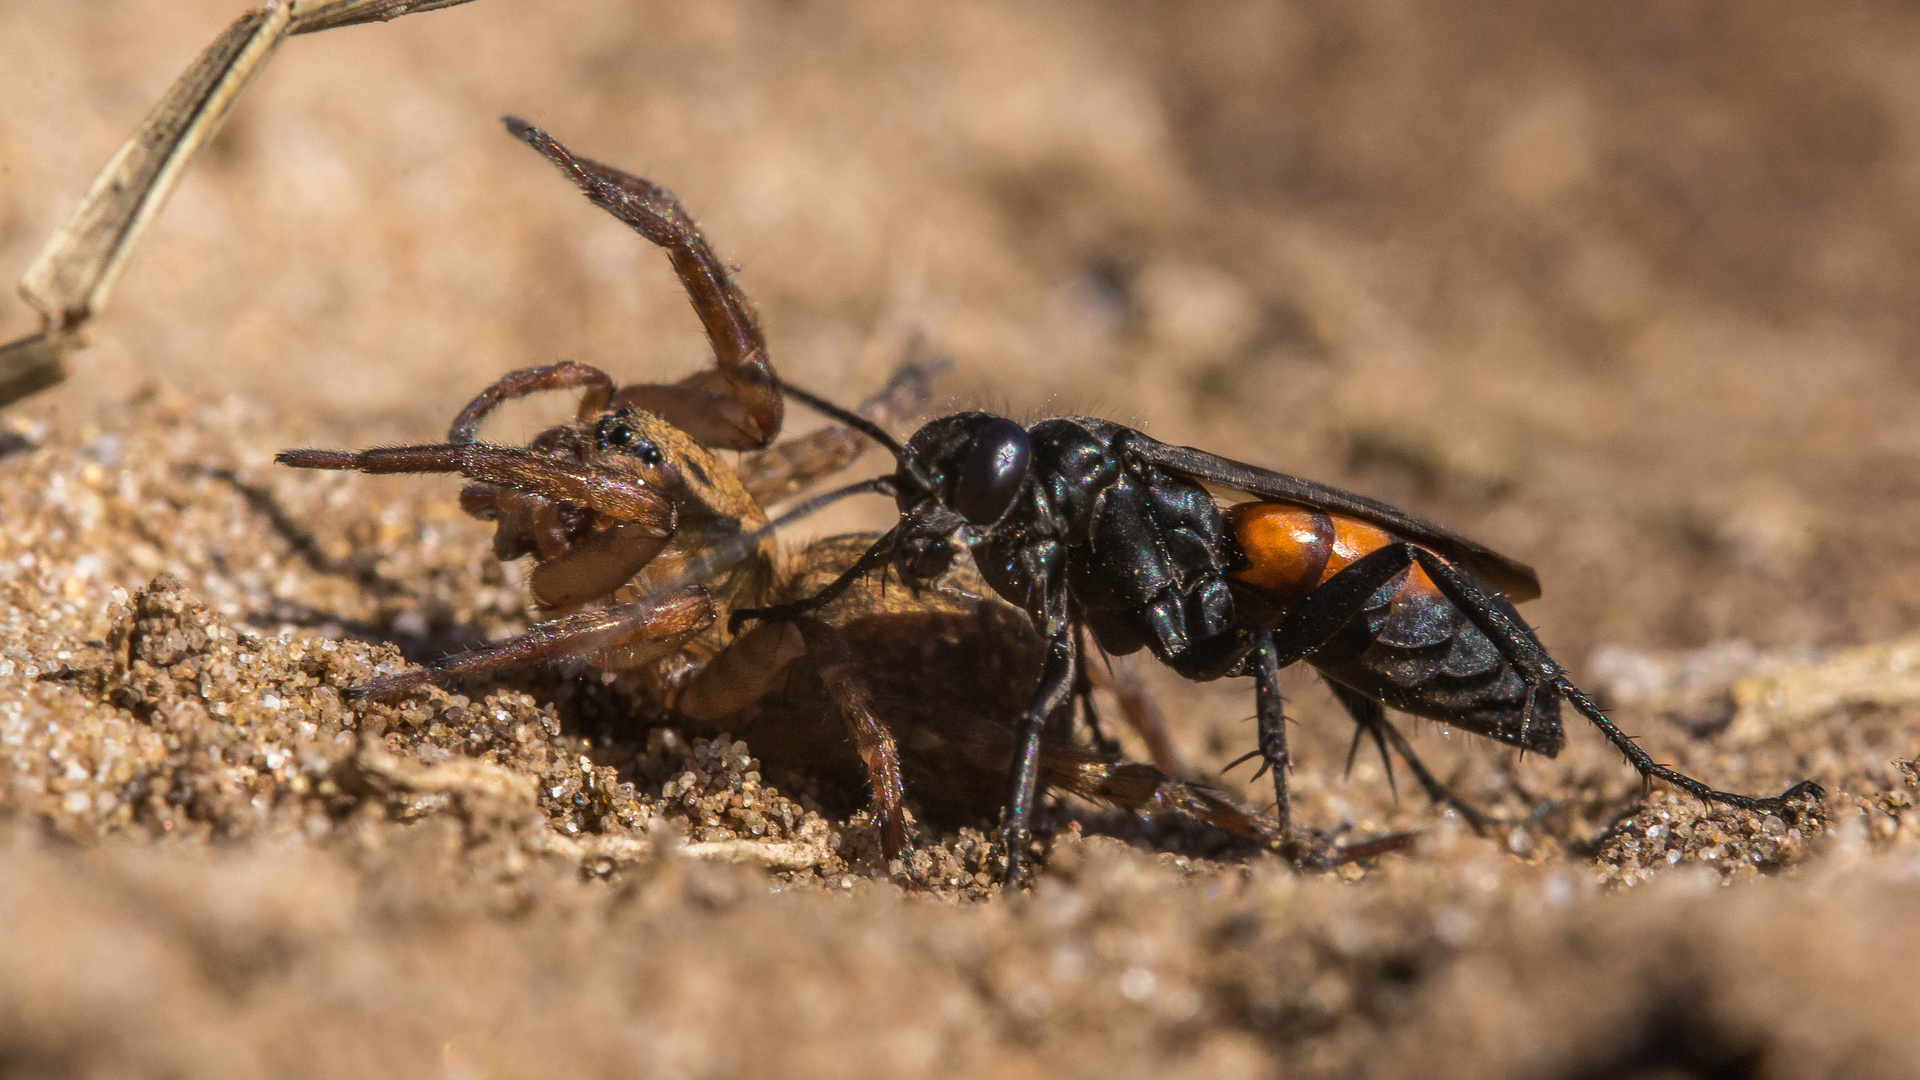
1625,295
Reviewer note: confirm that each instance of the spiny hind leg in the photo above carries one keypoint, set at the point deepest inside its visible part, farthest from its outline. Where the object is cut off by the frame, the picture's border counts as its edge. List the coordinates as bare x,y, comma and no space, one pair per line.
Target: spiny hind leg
1264,662
1543,674
1370,719
1313,621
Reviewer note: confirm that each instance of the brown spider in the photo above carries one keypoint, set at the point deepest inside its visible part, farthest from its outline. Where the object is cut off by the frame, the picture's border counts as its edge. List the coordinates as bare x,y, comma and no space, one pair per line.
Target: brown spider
644,541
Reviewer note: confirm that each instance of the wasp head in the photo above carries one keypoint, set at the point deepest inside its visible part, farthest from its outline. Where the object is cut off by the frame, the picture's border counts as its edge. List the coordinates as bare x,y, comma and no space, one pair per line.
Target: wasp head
958,478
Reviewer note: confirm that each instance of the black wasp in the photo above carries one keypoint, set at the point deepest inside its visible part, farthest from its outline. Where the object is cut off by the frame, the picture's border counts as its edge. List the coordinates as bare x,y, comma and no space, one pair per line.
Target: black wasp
1088,523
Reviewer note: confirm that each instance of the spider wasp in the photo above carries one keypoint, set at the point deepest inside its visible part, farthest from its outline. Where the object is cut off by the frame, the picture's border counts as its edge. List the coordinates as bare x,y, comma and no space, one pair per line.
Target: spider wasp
1085,523
643,539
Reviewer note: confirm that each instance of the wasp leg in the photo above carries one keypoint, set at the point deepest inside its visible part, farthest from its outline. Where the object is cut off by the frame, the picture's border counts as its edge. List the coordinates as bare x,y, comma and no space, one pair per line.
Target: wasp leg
1386,757
1145,789
1313,621
1541,672
1119,678
1371,717
1083,690
872,559
1057,678
1264,661
736,405
518,384
1305,627
1090,715
670,620
623,498
779,471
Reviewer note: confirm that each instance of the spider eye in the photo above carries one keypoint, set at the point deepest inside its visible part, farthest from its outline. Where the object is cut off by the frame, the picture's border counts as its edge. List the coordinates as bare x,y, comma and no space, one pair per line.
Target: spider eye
615,433
996,465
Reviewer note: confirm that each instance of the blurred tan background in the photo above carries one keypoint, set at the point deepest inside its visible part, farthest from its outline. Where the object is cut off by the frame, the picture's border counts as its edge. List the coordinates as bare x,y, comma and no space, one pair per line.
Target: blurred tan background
1627,292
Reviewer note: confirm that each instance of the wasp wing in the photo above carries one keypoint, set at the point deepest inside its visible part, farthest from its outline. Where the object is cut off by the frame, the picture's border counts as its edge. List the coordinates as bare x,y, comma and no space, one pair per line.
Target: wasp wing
1515,579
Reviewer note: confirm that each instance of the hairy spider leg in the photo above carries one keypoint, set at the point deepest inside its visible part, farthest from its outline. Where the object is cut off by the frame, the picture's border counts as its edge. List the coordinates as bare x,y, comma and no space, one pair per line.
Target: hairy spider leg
564,375
644,518
667,620
736,405
625,498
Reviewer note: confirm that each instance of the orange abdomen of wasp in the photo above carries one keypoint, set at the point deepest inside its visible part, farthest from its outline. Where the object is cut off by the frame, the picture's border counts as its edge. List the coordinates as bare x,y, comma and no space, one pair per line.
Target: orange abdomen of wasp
1293,550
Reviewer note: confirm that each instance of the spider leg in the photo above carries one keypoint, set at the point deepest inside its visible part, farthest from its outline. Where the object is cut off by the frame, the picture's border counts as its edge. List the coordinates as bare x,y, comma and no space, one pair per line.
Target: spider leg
736,405
621,497
833,662
518,384
756,664
669,620
1145,789
527,523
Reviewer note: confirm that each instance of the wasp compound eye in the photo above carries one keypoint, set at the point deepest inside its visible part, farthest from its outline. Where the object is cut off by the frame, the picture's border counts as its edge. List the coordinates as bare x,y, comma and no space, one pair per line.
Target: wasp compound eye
996,465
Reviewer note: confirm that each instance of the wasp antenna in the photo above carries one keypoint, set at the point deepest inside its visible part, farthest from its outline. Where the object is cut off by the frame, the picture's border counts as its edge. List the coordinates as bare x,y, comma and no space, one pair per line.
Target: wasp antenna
723,556
879,485
845,416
